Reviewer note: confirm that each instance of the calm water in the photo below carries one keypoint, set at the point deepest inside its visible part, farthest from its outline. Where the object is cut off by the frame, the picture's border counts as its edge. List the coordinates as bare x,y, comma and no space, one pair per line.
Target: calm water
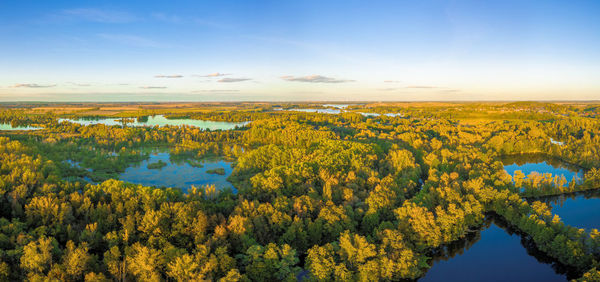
541,164
581,209
337,106
378,114
493,254
160,120
8,126
176,173
320,111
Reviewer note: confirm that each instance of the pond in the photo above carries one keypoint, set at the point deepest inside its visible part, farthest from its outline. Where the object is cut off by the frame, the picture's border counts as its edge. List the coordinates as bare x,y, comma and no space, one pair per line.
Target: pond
494,253
180,174
158,120
528,163
8,126
580,210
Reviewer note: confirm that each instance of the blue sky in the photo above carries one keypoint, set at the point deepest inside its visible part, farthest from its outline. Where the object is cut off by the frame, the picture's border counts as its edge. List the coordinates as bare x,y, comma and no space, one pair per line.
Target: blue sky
299,50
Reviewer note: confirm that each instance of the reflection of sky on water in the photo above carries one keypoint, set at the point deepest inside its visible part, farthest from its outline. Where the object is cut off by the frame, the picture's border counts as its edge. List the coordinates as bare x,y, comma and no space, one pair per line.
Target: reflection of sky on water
581,210
491,255
160,120
8,126
180,174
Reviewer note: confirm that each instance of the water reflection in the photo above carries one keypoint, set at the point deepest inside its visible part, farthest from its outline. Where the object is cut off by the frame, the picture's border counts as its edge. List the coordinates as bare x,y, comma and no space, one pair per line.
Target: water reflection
366,114
180,173
320,111
580,209
528,163
8,126
337,106
158,120
495,252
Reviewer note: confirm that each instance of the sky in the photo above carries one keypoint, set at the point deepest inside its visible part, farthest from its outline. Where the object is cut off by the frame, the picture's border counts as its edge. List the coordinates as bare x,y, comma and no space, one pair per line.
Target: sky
299,50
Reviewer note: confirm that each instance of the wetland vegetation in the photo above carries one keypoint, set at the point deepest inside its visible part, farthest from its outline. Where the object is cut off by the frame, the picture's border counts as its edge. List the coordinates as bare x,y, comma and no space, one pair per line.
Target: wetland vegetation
410,191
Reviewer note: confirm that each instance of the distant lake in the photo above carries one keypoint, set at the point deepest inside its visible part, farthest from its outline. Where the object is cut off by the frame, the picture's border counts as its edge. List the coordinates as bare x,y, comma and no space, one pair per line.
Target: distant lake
338,106
528,163
339,109
158,120
378,114
580,210
320,111
493,253
179,174
8,126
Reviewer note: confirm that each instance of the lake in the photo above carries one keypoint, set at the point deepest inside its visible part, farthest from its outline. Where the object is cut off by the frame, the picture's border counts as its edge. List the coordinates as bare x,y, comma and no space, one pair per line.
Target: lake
378,114
159,120
320,111
8,126
494,253
528,163
179,174
337,106
581,209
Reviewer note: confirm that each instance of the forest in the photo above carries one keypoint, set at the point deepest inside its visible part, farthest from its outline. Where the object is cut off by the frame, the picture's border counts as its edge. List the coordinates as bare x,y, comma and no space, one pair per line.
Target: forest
365,192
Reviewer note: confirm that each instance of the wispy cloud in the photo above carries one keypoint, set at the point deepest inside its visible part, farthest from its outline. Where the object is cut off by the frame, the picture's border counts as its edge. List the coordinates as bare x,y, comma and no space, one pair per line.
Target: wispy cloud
315,79
387,89
391,81
32,85
96,15
153,87
231,79
214,74
132,40
169,76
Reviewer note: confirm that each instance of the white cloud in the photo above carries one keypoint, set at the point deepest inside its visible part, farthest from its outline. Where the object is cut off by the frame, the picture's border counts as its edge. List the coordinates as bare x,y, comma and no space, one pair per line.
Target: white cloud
32,85
315,79
214,74
169,76
227,79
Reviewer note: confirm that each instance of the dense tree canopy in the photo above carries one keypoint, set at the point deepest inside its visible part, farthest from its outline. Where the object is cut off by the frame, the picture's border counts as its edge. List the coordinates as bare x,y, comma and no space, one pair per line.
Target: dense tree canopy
319,196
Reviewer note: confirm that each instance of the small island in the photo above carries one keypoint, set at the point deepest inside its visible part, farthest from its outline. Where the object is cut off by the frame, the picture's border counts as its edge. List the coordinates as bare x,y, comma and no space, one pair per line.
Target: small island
157,165
219,171
195,163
